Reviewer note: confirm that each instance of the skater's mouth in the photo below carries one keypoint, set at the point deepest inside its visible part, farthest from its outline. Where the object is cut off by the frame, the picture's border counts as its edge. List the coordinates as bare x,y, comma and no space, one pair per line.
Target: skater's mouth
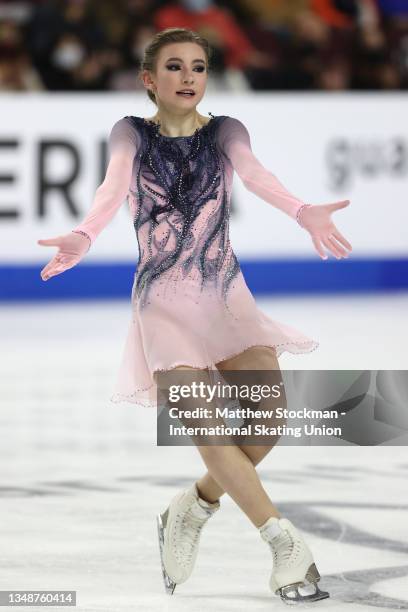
188,93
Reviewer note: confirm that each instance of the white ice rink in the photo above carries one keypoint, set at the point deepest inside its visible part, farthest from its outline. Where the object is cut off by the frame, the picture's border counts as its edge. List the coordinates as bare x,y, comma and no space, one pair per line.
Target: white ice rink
82,478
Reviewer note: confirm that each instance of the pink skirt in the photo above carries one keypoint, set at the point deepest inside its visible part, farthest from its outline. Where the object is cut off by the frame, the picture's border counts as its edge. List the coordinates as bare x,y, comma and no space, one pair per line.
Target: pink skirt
184,326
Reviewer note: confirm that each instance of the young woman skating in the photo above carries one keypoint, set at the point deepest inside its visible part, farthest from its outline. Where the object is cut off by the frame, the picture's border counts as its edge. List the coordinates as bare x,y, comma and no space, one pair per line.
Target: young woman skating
191,307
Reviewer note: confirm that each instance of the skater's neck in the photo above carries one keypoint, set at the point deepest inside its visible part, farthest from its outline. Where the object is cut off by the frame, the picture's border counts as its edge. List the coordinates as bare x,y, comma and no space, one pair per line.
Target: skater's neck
178,125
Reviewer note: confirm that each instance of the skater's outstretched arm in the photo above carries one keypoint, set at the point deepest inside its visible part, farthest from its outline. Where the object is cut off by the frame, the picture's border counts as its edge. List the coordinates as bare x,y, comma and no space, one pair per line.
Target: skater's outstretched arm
123,145
235,142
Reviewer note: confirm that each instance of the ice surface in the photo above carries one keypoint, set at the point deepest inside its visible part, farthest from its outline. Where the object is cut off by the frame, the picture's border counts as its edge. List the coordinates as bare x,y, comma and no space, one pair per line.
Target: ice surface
81,478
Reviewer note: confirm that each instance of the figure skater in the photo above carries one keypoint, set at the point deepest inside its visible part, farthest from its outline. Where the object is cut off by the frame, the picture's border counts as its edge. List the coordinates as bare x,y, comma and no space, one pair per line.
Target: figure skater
191,307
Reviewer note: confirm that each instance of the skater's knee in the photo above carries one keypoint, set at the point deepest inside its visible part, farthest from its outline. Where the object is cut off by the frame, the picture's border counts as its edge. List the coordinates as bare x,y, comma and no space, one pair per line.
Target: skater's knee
179,375
219,450
256,453
252,358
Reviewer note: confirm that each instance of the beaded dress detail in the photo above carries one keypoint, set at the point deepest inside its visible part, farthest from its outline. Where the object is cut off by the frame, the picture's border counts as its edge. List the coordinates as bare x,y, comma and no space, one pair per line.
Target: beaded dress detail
190,302
181,215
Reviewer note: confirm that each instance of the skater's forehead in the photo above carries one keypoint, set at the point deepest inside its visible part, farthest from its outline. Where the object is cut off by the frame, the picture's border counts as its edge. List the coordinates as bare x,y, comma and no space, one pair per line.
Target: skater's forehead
181,60
186,51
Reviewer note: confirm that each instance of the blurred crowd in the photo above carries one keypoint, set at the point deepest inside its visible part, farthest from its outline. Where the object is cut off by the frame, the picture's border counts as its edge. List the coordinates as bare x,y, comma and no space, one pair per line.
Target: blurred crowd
95,45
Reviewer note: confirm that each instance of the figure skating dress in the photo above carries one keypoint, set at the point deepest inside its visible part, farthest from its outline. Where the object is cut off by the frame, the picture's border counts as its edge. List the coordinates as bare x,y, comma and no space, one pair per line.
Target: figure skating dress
190,302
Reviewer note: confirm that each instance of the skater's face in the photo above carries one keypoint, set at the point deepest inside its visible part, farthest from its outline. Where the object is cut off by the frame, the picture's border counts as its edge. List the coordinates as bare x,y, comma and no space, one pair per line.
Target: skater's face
179,66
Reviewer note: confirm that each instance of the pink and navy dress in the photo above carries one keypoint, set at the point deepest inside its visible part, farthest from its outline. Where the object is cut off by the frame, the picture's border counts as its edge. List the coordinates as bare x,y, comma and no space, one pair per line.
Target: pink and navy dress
190,302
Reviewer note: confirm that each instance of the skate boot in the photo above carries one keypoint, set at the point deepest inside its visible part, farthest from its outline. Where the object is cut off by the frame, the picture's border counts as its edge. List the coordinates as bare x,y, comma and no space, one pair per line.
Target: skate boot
293,564
179,530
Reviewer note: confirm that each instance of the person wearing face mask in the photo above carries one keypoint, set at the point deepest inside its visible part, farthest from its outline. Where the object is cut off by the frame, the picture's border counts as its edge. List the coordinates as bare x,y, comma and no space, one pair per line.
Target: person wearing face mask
68,54
77,68
65,56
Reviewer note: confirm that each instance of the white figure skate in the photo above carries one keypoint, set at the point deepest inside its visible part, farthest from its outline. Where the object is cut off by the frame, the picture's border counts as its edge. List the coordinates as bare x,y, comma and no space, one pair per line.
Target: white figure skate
293,564
179,530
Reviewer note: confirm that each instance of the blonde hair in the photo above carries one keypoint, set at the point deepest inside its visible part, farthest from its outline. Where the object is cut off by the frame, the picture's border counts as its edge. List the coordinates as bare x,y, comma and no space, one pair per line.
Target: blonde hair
164,37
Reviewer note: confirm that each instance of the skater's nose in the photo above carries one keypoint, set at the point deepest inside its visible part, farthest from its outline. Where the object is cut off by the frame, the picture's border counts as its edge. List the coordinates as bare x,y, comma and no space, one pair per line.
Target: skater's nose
187,76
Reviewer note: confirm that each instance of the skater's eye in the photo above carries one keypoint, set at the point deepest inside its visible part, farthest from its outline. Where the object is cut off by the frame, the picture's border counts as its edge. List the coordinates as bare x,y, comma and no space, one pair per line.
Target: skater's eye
198,68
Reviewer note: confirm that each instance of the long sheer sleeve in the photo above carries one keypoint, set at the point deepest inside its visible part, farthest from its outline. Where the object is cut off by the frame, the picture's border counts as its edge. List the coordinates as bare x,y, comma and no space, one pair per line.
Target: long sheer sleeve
124,141
234,141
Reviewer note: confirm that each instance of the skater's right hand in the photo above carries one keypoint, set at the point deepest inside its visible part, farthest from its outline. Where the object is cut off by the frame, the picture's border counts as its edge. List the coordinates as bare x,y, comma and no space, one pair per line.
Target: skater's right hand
316,219
72,248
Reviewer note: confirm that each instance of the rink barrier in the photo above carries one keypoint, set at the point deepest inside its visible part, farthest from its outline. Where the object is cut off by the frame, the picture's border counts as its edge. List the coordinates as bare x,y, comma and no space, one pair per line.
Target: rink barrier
264,277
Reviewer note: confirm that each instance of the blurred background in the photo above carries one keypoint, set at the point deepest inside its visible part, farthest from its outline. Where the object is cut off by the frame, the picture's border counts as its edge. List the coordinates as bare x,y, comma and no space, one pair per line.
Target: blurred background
320,85
259,45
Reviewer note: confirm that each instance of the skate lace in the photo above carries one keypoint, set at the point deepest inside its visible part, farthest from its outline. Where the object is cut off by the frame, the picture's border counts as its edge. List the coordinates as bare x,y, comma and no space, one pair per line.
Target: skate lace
189,531
282,547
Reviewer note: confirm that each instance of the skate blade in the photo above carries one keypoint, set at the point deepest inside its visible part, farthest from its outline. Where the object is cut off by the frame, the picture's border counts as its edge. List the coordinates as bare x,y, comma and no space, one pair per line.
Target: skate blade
169,584
290,594
312,576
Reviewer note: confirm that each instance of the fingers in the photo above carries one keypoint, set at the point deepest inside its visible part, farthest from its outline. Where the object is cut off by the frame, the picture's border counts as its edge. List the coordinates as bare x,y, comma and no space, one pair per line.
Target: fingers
49,241
338,205
54,270
331,245
342,239
46,274
319,248
342,251
56,266
334,247
50,270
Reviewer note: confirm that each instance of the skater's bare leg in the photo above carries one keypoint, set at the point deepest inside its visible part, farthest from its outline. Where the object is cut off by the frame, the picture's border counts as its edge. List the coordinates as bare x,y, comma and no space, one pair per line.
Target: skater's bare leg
234,472
236,475
211,491
254,358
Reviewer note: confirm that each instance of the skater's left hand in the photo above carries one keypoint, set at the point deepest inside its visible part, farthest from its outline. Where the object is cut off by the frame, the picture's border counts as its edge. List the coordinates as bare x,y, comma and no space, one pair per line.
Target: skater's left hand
72,247
316,219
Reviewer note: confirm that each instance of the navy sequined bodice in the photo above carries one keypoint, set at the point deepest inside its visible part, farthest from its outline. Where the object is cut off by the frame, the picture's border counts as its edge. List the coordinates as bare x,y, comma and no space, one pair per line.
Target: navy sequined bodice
181,210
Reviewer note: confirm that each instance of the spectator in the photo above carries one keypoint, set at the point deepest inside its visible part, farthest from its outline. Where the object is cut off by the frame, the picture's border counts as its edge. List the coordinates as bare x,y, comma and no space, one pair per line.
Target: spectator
335,75
16,70
96,45
276,14
126,77
218,26
336,13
